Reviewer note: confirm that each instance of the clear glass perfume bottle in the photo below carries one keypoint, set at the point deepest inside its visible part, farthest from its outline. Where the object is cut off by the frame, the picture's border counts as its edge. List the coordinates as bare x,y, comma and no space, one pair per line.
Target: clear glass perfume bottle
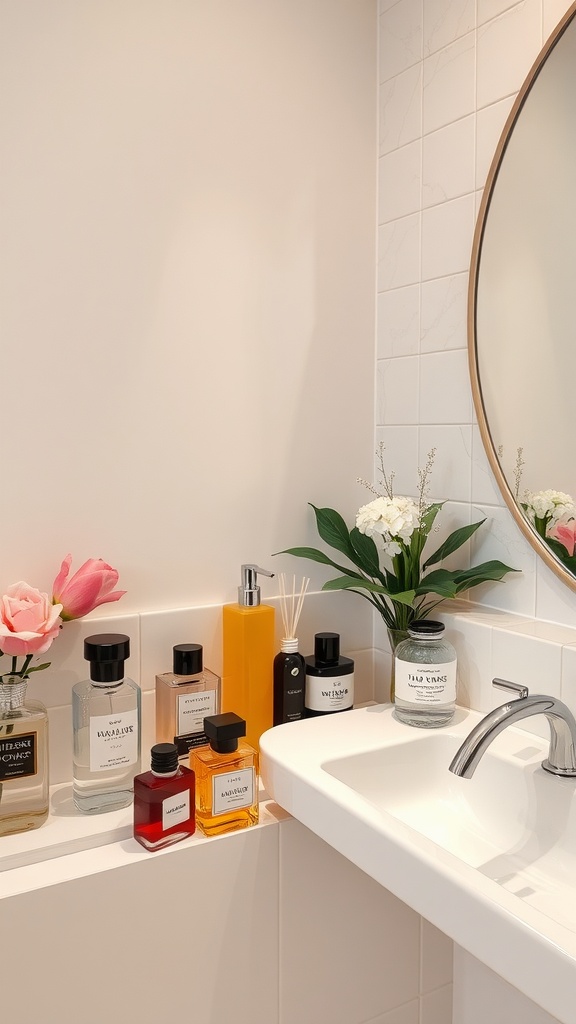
184,698
106,725
425,673
23,758
164,807
226,777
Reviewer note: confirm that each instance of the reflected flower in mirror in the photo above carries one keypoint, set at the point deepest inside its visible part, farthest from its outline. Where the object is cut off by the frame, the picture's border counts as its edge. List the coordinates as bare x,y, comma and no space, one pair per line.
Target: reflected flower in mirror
553,516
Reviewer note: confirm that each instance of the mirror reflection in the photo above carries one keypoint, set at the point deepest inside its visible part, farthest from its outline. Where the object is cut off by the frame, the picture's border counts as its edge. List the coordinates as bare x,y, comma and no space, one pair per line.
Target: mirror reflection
522,353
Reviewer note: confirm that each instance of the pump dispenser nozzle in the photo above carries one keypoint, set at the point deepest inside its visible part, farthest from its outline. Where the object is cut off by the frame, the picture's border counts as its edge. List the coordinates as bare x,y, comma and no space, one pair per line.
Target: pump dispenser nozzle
249,591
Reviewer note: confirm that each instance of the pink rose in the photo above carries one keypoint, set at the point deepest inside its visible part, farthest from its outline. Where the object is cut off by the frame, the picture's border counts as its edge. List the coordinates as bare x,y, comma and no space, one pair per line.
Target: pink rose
29,622
91,585
566,534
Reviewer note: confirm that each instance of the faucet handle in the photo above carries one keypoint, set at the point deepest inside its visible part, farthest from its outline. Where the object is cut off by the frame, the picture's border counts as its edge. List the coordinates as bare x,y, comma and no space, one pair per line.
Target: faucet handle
505,684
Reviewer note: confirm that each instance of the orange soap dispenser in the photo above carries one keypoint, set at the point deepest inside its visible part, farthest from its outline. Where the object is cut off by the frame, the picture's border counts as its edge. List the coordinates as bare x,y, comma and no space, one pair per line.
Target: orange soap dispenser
248,656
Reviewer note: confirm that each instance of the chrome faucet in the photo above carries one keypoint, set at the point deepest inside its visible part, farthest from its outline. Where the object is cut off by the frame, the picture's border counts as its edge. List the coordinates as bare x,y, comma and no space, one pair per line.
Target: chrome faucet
561,758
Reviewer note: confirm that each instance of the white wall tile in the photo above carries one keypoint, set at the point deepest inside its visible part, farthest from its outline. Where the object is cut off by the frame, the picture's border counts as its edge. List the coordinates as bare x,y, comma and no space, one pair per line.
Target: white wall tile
397,398
444,388
448,162
568,677
450,479
481,996
507,46
400,109
530,661
399,253
436,1007
485,491
399,182
400,457
160,631
552,12
500,538
447,232
490,123
407,1014
399,322
473,643
448,85
443,313
445,21
488,9
437,954
400,38
332,905
555,599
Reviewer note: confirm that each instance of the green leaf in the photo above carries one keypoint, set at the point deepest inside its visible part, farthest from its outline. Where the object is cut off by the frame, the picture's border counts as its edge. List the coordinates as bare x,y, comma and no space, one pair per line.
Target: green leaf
38,668
562,554
440,581
333,530
453,542
484,573
316,556
430,515
348,583
366,553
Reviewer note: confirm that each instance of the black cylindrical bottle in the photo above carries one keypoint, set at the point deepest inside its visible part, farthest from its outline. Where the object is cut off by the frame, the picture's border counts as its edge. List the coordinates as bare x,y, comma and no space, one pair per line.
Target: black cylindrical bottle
289,683
329,678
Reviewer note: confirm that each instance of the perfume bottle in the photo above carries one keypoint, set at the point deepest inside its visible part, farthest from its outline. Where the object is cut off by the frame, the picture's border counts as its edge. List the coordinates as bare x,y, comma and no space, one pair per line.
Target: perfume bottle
164,800
329,678
226,777
184,698
106,727
425,674
23,758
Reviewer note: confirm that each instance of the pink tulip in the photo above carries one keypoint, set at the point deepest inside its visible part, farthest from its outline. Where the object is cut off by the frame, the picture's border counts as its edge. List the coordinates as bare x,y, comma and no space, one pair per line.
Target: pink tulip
29,622
93,584
566,534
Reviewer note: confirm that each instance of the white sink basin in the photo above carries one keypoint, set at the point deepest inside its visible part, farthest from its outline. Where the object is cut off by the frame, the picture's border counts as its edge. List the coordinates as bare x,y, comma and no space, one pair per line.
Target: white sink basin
490,860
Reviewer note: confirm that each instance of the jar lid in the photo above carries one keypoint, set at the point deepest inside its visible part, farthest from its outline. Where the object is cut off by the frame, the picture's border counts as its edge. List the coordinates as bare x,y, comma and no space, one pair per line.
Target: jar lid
425,629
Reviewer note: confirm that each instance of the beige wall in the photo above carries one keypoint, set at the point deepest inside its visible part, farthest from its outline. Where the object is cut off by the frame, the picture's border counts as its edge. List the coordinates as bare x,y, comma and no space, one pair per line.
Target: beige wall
187,283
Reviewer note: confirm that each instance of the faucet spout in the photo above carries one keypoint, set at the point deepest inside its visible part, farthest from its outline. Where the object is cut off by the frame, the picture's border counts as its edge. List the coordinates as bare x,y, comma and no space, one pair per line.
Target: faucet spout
561,758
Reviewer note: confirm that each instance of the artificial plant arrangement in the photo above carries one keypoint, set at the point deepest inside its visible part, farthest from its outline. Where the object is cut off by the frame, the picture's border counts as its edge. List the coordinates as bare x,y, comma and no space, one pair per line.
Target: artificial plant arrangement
386,549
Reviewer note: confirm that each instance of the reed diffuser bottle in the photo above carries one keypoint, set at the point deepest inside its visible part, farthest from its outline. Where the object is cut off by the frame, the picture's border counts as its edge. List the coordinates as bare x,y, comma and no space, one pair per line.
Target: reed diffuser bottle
289,664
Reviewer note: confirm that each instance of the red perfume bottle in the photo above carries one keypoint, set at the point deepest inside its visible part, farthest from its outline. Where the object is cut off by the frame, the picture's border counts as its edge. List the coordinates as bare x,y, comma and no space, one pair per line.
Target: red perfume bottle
164,800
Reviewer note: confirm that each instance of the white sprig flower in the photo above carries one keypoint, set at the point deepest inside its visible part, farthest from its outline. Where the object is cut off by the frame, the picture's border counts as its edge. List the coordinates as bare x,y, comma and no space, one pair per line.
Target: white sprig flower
391,519
552,506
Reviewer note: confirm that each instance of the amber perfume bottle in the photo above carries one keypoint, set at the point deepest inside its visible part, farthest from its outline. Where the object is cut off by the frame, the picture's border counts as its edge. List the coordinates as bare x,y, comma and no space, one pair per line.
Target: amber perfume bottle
226,777
164,800
184,698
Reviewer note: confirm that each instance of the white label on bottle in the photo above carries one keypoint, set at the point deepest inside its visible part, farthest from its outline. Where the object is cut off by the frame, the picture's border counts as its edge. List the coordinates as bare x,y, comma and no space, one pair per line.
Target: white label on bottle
329,693
231,790
193,708
425,684
113,741
175,809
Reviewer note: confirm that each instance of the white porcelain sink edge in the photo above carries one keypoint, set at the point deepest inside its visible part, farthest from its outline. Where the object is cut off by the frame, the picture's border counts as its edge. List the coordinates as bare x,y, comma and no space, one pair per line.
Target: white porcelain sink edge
530,950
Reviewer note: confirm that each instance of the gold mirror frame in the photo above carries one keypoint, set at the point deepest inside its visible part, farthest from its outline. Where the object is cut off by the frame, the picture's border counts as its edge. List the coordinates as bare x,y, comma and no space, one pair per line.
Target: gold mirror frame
534,539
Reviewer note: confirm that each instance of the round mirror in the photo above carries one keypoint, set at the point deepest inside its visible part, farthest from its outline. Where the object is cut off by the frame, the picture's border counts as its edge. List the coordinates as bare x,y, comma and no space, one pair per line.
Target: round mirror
520,324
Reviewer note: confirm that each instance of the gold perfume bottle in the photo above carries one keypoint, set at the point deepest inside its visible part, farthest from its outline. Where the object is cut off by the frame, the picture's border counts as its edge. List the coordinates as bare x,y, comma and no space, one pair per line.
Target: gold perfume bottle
226,777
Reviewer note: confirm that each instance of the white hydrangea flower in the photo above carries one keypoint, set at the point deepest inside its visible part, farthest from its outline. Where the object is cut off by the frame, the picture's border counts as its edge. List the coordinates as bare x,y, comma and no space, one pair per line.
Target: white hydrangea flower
391,519
553,506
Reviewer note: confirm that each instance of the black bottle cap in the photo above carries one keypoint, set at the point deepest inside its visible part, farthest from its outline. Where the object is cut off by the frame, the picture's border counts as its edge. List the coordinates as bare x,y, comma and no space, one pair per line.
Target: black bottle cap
107,653
164,758
426,628
223,731
327,647
187,659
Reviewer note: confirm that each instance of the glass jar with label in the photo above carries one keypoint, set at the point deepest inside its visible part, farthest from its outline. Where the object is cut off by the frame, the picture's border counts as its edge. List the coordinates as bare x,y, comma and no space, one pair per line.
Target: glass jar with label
425,669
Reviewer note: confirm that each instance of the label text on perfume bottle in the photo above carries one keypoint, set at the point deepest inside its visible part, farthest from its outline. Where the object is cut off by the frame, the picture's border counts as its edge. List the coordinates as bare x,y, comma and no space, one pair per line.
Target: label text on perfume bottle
193,708
175,810
231,790
425,684
329,693
113,741
18,756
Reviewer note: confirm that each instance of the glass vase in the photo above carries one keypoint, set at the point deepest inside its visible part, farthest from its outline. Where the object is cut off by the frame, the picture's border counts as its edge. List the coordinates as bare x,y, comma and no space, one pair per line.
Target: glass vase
24,794
395,636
